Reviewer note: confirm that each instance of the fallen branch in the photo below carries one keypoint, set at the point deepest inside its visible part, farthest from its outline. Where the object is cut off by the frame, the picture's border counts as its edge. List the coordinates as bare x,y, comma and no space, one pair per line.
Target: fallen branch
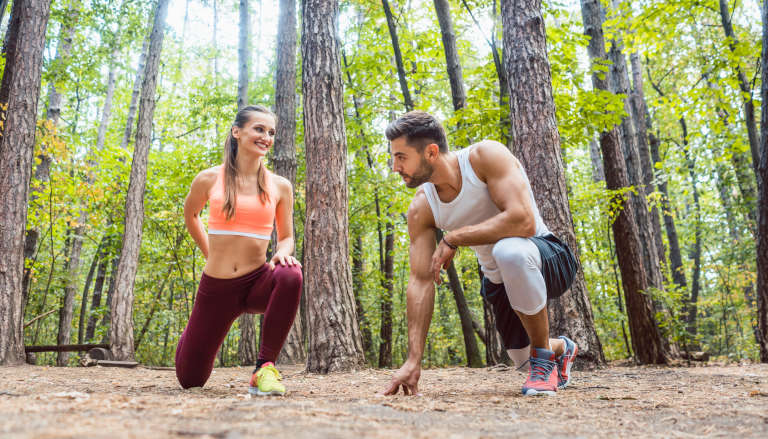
39,317
65,347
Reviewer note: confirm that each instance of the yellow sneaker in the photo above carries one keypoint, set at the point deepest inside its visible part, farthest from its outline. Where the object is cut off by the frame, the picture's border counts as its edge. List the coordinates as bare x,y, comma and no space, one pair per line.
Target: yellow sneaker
266,381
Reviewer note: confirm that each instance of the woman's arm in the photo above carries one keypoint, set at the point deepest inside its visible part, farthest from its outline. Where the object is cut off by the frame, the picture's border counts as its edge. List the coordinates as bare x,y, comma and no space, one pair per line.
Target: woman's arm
194,204
284,220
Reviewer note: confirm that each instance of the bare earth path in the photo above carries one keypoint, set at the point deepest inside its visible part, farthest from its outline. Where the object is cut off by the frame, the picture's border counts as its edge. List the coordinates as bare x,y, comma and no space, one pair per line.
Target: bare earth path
98,402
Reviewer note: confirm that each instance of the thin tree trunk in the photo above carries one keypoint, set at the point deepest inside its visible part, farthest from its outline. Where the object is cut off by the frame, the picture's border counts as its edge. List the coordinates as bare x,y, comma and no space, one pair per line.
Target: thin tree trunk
455,76
243,55
121,337
398,56
68,303
643,126
619,83
691,308
84,298
19,92
334,335
135,95
537,144
98,286
106,112
153,307
648,342
748,105
762,234
294,350
385,348
3,7
358,269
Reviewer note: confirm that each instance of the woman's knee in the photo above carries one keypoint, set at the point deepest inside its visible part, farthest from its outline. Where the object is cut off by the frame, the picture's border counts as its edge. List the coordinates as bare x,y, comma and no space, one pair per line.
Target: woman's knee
288,277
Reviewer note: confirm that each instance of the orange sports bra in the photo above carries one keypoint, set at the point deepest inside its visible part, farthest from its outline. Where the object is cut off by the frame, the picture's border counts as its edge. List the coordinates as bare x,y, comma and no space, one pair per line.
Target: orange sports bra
253,218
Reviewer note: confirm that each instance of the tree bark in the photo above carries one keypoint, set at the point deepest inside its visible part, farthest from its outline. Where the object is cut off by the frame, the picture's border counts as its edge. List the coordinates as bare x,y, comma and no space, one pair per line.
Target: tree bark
748,105
84,296
762,234
135,95
385,348
619,83
66,312
19,93
691,308
453,64
398,56
649,345
98,286
643,126
106,112
294,350
334,335
121,335
243,56
537,143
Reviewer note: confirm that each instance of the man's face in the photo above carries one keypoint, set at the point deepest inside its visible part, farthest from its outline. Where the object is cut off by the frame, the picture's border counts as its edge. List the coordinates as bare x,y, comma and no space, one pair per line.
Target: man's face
412,166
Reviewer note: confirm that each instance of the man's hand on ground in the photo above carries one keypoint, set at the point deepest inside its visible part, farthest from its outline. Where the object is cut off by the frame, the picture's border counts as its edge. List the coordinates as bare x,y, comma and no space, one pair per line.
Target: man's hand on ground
407,377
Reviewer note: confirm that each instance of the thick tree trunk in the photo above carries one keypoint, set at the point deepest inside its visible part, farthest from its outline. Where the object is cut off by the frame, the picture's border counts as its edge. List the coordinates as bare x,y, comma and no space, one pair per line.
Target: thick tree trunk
455,76
247,346
748,105
294,350
537,143
243,55
398,56
762,234
135,95
19,93
121,336
385,348
647,341
334,335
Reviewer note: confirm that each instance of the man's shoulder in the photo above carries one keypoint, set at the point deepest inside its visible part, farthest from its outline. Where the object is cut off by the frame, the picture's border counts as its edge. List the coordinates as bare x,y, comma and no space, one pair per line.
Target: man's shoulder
490,156
419,212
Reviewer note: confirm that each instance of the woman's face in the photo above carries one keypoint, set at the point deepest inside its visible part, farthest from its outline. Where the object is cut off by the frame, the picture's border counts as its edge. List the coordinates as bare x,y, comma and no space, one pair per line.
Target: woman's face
258,134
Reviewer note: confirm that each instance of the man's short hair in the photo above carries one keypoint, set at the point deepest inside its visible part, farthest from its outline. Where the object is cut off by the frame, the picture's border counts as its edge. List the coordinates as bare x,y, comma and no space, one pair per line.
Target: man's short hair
420,129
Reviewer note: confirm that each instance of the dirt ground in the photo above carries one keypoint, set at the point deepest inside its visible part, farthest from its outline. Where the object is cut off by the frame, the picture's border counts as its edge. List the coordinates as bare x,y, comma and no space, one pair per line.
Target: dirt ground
101,402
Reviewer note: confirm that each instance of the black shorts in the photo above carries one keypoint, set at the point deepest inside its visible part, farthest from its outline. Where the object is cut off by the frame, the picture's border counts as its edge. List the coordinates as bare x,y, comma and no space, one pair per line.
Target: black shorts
558,267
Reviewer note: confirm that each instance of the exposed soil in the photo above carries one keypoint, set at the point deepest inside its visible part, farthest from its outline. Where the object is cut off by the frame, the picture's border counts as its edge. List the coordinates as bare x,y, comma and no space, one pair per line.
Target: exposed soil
101,402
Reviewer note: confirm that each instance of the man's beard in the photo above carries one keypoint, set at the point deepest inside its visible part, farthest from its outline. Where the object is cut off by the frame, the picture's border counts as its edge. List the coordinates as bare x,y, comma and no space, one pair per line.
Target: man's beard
421,176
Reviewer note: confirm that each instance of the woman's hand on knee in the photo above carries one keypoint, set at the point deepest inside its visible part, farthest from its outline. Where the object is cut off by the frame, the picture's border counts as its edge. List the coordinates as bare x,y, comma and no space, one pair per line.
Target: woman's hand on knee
283,259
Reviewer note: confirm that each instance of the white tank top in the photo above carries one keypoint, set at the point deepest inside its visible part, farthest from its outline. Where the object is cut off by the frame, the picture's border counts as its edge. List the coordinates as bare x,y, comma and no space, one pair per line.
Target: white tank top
473,205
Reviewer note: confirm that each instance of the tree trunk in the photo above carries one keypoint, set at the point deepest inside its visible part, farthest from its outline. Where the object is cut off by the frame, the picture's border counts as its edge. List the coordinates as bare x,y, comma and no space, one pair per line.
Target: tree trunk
642,122
619,83
106,111
358,270
691,306
762,234
294,350
68,303
121,336
385,348
398,56
247,349
84,296
647,341
537,143
98,286
455,76
135,95
334,335
243,56
3,6
746,89
19,94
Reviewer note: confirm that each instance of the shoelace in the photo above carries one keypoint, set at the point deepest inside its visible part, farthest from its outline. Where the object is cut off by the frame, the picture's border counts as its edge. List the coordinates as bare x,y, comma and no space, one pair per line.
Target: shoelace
275,371
540,369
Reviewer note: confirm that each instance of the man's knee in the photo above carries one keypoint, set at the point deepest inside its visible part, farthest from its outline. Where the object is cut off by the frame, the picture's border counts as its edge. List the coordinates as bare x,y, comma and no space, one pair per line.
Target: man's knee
512,253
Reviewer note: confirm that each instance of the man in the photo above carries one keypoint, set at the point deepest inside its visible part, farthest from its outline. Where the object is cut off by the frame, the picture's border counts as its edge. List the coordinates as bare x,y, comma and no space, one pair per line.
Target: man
482,197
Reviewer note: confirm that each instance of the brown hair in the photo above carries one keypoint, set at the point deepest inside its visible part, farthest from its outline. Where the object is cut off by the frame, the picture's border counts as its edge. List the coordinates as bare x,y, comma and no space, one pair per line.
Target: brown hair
230,163
420,129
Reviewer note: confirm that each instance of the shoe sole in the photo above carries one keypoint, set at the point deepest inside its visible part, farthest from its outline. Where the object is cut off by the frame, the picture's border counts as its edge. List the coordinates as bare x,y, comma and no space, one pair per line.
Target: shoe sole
534,392
257,392
568,368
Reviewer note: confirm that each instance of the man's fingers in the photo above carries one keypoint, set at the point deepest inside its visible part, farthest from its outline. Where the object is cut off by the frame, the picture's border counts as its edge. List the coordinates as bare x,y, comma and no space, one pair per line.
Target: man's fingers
414,389
393,388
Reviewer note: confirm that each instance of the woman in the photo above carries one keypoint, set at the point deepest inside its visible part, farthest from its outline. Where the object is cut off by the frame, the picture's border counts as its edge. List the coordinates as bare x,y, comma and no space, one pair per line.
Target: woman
245,198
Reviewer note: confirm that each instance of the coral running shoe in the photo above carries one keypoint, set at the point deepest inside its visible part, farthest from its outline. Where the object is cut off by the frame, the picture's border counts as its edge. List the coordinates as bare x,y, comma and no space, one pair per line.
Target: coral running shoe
542,378
565,361
266,381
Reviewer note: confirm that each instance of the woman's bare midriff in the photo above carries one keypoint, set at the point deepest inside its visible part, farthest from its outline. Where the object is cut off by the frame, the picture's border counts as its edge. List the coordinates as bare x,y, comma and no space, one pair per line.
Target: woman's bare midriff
231,256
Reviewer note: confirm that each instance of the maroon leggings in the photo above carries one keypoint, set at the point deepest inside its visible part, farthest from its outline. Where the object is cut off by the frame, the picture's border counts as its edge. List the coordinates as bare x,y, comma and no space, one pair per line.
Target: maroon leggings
219,302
